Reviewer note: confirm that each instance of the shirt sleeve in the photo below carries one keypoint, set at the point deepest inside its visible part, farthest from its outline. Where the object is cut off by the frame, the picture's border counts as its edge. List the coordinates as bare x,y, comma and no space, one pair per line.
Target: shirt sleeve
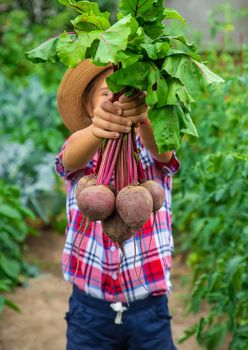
59,167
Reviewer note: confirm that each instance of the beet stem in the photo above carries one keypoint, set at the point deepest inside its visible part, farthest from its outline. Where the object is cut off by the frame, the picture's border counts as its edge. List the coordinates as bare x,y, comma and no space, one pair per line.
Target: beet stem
129,161
112,160
125,162
118,273
76,236
106,160
141,172
153,224
119,180
134,240
99,161
135,172
78,248
110,155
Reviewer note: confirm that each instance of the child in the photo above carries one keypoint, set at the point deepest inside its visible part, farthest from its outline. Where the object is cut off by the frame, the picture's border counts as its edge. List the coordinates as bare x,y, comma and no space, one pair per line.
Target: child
104,312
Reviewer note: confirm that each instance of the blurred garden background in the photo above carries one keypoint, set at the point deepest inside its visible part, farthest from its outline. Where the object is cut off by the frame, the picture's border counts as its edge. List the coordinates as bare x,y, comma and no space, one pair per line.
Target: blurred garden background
209,303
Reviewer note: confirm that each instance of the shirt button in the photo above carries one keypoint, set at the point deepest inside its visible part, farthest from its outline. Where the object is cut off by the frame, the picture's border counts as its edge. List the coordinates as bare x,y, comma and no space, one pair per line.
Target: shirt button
114,276
112,248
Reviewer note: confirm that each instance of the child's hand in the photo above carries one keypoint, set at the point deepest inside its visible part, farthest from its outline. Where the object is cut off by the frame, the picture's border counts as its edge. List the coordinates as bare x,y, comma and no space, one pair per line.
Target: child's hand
108,121
112,118
134,107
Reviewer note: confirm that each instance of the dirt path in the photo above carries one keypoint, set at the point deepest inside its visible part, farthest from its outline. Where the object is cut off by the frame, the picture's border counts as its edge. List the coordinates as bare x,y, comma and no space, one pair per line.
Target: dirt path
41,325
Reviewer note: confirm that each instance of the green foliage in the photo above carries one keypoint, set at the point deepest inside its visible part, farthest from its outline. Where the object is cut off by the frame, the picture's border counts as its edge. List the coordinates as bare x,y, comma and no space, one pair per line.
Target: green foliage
14,230
173,69
27,23
144,11
17,35
71,49
28,151
212,211
194,75
169,135
223,18
173,14
35,113
90,17
115,40
45,52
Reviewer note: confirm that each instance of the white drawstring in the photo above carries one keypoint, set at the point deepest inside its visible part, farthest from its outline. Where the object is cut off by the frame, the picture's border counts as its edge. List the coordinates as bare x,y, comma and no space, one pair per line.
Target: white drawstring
119,308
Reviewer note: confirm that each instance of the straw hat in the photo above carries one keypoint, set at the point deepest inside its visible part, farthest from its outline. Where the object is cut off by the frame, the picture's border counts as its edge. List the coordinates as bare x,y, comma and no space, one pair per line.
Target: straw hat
70,94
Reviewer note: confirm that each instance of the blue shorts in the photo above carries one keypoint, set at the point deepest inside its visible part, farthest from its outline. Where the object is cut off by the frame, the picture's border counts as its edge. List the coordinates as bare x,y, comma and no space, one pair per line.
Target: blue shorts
146,324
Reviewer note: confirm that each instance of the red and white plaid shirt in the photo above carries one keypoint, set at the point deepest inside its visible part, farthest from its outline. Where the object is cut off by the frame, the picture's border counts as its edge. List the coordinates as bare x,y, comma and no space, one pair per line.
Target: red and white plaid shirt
99,257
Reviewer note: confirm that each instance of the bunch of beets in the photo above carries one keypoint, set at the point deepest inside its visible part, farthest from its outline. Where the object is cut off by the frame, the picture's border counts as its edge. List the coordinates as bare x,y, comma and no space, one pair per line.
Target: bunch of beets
119,194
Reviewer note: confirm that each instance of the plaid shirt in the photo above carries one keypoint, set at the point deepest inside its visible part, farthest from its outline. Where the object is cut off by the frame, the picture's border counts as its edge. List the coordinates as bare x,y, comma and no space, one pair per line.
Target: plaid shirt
99,257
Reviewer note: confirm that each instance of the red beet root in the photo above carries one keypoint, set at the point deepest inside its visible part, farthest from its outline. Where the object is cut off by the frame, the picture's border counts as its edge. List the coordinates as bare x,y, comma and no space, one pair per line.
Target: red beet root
84,182
96,202
116,229
157,193
134,205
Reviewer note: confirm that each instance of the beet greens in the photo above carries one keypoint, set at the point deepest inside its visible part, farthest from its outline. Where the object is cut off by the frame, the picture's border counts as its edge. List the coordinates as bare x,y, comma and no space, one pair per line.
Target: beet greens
167,66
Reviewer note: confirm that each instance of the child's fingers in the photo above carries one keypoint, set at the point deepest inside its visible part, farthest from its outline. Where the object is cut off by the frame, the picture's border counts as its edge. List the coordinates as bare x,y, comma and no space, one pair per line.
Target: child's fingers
130,104
139,119
111,118
109,125
109,107
135,111
133,103
104,134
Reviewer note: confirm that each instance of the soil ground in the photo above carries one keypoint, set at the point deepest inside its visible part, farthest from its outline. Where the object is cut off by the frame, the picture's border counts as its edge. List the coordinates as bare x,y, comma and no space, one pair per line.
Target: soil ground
41,324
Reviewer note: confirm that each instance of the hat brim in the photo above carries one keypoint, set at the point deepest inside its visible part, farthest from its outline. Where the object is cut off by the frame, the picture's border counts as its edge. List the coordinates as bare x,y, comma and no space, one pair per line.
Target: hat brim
70,93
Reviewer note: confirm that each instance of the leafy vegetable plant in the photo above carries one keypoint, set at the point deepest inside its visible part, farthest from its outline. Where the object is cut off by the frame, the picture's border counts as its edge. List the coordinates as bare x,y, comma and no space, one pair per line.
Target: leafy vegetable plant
144,57
27,152
211,214
14,230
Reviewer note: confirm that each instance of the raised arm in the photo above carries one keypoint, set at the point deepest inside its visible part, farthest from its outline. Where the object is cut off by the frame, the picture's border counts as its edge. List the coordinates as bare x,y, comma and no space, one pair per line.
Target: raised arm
81,147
